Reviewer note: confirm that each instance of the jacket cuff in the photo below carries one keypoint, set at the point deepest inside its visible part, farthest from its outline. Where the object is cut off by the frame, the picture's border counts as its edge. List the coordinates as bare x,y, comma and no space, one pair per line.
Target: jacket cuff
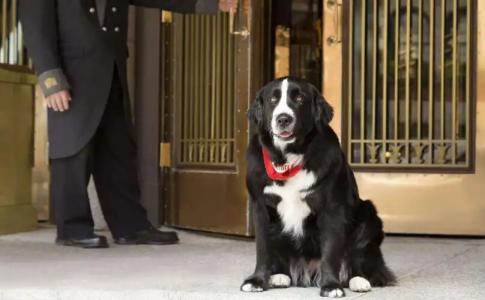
207,7
53,81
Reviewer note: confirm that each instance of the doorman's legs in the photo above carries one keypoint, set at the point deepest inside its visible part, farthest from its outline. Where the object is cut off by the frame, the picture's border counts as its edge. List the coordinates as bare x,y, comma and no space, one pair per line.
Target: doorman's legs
114,168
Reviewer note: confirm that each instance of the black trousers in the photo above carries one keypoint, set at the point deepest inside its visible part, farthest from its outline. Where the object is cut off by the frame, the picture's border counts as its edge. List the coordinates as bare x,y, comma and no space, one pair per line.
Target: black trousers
111,158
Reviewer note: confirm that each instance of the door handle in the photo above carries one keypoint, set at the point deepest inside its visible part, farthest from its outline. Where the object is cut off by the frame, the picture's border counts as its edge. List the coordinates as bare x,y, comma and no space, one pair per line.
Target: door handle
336,38
244,32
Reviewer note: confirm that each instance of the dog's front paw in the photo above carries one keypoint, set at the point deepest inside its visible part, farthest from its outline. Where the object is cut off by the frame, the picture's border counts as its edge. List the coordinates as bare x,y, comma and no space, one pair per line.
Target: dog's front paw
254,284
332,292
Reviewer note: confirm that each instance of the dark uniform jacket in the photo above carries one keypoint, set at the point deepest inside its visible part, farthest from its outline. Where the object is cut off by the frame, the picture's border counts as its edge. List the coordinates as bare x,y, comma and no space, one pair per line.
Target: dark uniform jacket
77,45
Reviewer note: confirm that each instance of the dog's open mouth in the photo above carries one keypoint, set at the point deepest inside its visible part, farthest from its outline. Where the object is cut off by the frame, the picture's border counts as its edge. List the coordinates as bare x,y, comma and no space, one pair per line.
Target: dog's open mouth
284,135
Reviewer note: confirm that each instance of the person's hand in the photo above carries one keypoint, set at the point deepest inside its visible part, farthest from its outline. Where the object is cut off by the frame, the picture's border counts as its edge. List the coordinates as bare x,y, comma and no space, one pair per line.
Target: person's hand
59,101
228,5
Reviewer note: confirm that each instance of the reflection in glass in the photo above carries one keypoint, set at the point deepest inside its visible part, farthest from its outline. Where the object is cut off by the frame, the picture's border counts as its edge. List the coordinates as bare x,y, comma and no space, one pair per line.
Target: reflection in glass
409,84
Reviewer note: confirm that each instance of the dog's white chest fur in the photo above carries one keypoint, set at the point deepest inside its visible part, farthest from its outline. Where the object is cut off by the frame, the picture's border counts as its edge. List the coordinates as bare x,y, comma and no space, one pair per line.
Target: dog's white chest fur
293,208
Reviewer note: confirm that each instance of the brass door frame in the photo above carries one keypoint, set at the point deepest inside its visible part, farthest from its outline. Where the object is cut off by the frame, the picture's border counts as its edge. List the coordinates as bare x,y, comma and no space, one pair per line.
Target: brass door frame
166,107
418,202
332,60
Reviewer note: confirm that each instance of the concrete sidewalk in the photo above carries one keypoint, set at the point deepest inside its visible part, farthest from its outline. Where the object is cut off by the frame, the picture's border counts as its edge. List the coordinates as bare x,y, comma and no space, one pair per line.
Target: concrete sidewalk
201,267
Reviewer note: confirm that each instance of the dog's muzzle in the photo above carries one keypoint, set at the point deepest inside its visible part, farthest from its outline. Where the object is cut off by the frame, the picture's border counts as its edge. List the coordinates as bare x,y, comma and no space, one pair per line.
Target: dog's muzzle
284,126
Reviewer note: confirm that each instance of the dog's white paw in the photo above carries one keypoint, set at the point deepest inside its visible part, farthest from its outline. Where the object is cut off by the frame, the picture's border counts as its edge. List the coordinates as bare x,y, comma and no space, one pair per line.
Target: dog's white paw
332,292
359,284
250,288
279,281
335,293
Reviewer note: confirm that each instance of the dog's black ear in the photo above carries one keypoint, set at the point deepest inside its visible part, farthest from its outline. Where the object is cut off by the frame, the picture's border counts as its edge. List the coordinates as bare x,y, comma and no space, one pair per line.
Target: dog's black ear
322,111
255,113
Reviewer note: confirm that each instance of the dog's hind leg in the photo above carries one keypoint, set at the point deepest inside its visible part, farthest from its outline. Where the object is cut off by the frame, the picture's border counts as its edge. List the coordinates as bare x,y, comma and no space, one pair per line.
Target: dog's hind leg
359,284
376,271
280,273
365,256
356,283
279,281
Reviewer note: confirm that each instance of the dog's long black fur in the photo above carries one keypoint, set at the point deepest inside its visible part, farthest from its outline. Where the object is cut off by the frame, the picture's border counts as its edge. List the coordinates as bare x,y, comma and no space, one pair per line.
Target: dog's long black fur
343,233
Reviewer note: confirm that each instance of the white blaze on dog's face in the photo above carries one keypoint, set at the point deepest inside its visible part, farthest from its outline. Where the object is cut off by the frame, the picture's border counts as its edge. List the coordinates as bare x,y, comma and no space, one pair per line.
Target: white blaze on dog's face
283,119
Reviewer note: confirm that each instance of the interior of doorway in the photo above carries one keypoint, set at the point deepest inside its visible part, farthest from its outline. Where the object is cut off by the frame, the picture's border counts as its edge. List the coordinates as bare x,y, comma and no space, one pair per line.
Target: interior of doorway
296,38
286,40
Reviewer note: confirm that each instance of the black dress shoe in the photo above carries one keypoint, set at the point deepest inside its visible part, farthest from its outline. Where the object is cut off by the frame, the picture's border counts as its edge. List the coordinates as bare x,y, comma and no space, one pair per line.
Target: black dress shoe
150,236
96,241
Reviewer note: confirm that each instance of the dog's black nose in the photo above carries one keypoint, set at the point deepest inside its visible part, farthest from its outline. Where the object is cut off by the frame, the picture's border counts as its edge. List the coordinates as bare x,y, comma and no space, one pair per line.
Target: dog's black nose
284,120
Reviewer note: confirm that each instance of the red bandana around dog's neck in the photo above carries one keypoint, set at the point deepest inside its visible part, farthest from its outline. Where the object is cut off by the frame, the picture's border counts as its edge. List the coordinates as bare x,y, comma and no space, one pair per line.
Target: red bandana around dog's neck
279,172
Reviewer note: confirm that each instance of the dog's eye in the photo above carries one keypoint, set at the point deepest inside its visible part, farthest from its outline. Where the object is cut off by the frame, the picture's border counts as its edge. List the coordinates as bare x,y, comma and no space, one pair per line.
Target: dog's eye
273,100
299,99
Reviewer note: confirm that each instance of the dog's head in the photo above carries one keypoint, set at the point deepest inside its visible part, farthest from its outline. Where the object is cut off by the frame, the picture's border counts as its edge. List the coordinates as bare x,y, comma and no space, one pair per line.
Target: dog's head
288,109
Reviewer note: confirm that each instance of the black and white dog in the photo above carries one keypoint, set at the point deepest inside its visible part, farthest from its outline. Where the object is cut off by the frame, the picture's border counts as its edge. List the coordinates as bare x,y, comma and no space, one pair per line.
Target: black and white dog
312,228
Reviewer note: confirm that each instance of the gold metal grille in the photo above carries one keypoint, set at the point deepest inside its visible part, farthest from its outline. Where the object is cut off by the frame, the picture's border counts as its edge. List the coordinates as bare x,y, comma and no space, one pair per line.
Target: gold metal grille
409,101
207,111
11,44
